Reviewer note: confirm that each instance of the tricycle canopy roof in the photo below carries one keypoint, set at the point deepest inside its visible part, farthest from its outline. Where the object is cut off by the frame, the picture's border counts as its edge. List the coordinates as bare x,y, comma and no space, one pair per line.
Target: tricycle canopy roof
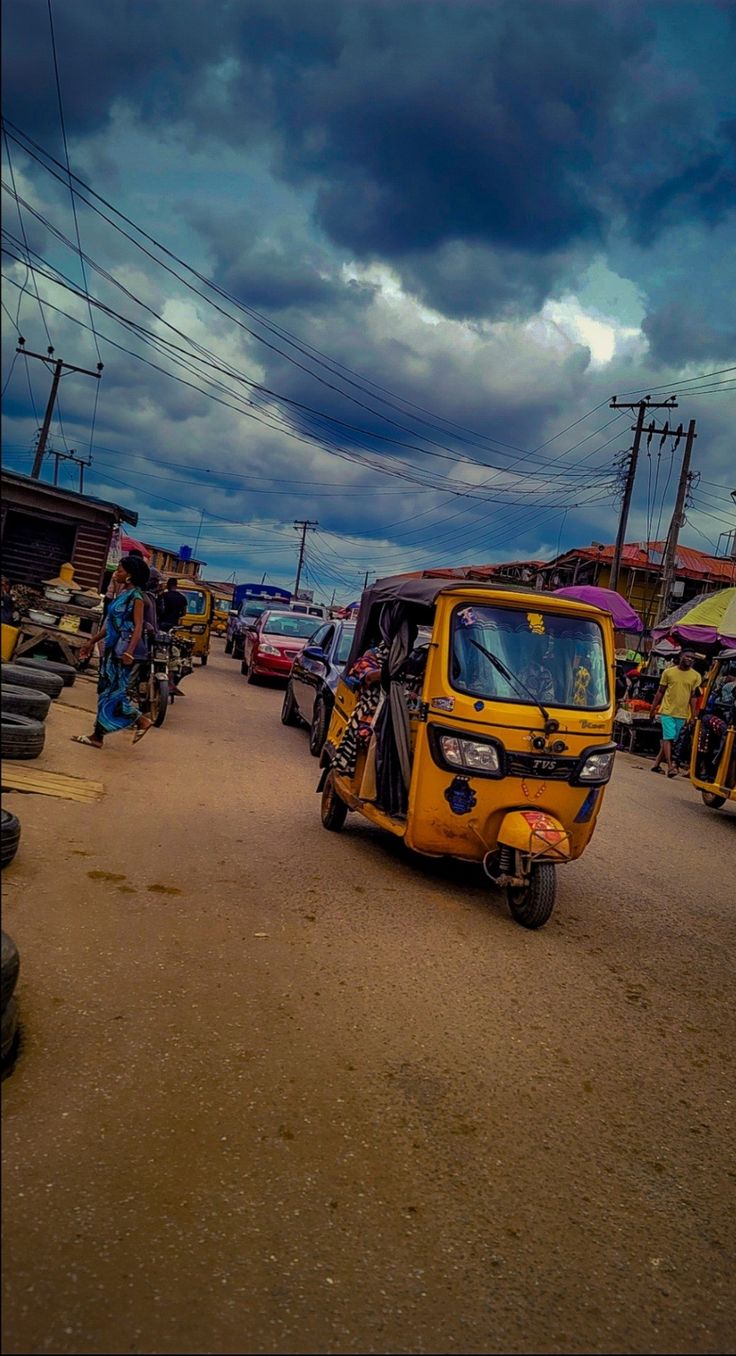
420,592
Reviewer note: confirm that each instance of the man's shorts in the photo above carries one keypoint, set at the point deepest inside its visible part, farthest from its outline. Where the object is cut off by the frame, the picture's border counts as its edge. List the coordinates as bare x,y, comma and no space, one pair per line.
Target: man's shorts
671,726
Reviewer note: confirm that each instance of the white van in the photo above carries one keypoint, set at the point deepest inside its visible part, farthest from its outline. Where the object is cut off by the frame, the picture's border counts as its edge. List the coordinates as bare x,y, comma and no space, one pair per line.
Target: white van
309,609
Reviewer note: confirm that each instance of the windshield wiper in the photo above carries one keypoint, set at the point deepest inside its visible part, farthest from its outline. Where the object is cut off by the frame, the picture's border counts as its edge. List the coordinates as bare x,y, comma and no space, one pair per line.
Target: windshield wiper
510,677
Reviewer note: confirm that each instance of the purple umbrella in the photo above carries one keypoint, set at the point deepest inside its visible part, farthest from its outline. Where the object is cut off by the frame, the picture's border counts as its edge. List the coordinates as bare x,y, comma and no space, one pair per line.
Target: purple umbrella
624,616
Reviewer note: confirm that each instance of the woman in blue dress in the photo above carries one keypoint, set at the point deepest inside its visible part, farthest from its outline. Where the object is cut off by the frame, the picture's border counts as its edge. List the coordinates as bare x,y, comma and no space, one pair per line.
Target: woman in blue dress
122,633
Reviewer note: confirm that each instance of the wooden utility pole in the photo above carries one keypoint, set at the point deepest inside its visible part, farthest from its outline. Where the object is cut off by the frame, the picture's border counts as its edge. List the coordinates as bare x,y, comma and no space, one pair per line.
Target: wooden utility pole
306,526
669,561
59,367
638,428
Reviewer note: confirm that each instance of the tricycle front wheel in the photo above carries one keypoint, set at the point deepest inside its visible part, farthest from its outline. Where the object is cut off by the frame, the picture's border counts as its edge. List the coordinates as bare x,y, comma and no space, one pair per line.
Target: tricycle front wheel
334,809
531,905
713,801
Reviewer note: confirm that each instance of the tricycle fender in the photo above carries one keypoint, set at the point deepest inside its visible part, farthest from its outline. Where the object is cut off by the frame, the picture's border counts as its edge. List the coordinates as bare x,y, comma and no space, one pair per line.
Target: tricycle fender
535,833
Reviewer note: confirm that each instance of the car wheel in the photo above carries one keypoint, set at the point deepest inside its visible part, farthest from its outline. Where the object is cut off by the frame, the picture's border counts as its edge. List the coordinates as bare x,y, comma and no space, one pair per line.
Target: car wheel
228,646
289,713
320,726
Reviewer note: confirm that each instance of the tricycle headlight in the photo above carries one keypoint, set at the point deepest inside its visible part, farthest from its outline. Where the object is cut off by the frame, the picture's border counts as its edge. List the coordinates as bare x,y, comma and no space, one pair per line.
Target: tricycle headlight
466,753
597,766
198,630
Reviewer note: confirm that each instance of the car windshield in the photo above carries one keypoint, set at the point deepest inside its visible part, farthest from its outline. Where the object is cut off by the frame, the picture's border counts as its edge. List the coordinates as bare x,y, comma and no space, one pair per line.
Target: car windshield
549,658
346,640
251,611
290,624
196,601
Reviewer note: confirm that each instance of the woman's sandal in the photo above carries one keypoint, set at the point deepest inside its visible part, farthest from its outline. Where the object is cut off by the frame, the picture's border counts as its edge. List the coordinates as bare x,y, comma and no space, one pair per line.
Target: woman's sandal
141,732
87,739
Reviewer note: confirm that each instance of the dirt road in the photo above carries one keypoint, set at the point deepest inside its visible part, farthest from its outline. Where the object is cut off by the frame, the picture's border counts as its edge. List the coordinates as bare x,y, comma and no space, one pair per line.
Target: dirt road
285,1091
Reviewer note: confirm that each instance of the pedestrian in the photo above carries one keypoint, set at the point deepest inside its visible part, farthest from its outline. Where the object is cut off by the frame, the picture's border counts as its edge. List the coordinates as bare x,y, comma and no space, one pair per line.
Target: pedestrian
171,606
674,704
123,627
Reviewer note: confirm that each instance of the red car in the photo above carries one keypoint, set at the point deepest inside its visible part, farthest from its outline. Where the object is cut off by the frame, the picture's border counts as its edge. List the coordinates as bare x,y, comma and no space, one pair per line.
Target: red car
273,643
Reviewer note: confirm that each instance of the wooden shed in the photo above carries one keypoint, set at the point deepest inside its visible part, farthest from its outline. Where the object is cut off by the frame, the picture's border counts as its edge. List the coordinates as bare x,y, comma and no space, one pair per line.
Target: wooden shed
44,526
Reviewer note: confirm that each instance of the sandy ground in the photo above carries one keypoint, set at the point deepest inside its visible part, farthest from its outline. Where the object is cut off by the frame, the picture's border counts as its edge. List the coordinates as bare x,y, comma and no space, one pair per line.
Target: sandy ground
282,1090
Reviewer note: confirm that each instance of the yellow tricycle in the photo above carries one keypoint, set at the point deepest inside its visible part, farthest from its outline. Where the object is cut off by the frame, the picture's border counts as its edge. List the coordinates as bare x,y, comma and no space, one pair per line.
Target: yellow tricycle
196,624
476,722
713,754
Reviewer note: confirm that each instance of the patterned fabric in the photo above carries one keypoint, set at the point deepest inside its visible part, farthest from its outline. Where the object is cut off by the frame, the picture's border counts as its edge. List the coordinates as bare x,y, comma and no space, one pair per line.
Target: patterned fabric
115,710
358,729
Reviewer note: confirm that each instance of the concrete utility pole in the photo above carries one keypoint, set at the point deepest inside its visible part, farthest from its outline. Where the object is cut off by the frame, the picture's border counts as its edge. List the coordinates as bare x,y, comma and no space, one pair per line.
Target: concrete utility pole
59,367
669,561
638,428
71,456
306,526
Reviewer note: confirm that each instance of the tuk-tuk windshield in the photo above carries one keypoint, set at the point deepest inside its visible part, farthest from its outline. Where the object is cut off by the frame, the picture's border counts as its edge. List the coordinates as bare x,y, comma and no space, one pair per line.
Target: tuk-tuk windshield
196,601
554,659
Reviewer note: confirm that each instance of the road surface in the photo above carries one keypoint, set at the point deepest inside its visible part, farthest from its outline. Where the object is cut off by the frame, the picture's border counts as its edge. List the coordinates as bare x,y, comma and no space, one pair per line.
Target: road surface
282,1090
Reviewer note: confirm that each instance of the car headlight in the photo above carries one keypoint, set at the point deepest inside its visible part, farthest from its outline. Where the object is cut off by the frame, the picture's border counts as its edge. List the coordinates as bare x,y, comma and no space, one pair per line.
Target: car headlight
268,649
198,630
468,754
597,766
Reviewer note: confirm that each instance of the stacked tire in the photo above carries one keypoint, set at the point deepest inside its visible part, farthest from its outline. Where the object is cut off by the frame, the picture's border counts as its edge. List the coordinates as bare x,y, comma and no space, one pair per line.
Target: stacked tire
28,688
9,968
9,836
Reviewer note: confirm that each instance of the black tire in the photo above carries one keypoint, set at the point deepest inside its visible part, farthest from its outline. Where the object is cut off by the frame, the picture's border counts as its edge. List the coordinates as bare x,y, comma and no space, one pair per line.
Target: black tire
25,701
203,660
252,677
229,646
334,811
63,671
9,1031
238,649
21,736
713,801
244,667
531,905
319,727
49,683
9,967
289,713
9,836
160,703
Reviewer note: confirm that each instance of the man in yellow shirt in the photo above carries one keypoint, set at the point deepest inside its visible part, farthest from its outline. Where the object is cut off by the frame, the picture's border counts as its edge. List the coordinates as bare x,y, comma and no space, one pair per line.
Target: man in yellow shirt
674,702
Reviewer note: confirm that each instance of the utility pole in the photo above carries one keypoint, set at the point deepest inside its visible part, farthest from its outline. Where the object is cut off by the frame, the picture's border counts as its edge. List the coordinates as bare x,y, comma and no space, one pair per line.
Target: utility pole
365,581
71,456
669,561
306,526
638,428
59,367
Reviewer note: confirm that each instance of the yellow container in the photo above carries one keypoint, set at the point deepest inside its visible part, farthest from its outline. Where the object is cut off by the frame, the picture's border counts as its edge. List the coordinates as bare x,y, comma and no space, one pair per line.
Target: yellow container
9,641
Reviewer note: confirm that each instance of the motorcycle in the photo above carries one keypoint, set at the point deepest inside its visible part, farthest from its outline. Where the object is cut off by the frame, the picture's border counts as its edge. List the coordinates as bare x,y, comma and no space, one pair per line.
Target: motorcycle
180,664
153,679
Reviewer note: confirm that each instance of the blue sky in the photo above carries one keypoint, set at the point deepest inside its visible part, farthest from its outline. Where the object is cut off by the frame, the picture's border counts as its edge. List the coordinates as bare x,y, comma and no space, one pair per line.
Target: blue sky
443,236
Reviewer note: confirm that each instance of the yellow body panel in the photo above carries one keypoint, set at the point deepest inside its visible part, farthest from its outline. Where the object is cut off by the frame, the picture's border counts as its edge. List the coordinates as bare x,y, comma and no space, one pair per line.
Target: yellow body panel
724,784
499,804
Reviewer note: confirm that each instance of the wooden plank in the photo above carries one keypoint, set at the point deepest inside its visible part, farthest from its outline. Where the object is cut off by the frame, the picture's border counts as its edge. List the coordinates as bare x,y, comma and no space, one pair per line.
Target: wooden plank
17,777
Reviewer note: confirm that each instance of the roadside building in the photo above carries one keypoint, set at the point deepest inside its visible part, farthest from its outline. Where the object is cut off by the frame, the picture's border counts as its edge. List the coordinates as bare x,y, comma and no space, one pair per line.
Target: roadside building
180,563
44,527
696,573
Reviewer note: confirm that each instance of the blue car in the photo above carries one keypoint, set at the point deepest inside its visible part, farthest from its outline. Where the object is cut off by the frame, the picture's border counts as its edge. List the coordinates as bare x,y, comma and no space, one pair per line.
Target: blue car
310,691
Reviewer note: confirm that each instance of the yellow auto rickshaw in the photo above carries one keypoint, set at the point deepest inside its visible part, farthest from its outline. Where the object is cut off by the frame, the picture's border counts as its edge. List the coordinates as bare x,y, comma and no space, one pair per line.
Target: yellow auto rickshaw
476,722
196,624
713,755
221,615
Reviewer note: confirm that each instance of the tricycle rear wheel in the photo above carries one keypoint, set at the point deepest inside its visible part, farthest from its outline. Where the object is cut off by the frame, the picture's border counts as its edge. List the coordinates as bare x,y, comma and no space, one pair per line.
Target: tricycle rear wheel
713,801
334,809
531,905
